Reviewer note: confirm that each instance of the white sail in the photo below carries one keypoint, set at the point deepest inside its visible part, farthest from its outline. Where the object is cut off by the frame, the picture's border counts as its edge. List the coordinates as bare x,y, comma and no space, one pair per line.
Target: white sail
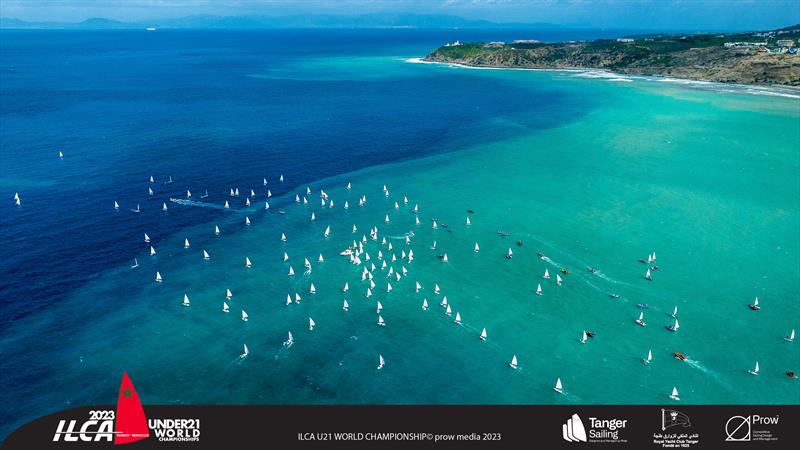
152,251
289,341
641,316
163,206
379,308
266,205
188,194
247,262
381,362
345,306
146,238
559,280
674,312
477,248
320,259
468,222
185,300
583,337
186,243
675,327
206,256
225,307
444,302
381,321
285,256
16,199
388,287
483,334
417,287
158,277
346,287
539,289
311,324
647,275
546,275
755,370
790,338
227,205
246,220
458,318
228,294
444,258
327,231
448,310
559,387
312,289
674,394
424,304
291,271
288,299
283,237
151,179
755,303
649,356
149,191
435,226
244,316
513,363
135,263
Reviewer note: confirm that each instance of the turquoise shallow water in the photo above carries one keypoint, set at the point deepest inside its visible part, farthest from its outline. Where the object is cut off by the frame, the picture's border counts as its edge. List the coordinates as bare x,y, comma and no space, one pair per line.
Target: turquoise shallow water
708,180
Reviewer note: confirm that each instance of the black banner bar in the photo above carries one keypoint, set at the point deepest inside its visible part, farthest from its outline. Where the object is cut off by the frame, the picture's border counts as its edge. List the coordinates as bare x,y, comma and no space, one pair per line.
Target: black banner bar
673,426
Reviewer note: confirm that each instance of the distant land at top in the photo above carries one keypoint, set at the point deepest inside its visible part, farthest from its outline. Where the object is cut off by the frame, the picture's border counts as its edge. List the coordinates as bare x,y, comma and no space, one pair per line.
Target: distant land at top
759,57
293,21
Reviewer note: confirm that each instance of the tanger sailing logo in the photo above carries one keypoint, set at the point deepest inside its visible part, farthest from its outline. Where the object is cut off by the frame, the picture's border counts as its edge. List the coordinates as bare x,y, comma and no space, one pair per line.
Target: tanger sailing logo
573,430
131,423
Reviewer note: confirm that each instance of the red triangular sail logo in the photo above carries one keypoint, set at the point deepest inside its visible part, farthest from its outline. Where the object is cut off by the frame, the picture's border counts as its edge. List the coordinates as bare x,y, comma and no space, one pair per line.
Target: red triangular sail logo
131,421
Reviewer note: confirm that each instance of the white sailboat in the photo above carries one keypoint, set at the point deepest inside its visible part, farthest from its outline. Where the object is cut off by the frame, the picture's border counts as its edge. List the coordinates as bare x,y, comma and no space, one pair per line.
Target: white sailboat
186,243
60,154
247,263
435,226
444,302
281,178
265,181
674,394
188,194
424,304
246,352
513,363
225,307
546,275
296,298
673,327
146,238
289,341
327,232
381,362
674,312
648,276
227,205
755,370
313,216
246,220
583,338
266,205
228,294
559,280
468,221
185,300
539,289
312,289
311,324
369,293
388,287
283,237
288,299
320,259
755,306
151,179
649,357
150,191
790,337
640,321
244,316
163,207
448,311
16,200
206,256
444,258
285,256
135,263
349,186
381,322
345,305
510,254
291,271
152,251
558,387
379,308
346,287
483,334
457,320
477,248
158,277
417,287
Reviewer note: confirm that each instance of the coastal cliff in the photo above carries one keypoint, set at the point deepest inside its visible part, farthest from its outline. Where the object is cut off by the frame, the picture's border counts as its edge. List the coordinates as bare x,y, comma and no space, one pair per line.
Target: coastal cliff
749,58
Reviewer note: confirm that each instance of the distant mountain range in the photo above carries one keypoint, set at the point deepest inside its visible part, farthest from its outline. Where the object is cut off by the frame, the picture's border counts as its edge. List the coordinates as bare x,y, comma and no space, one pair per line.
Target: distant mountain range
295,21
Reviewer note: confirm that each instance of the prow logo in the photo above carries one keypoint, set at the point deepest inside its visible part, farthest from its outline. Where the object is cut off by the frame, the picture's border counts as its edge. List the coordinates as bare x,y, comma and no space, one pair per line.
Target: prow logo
573,430
131,421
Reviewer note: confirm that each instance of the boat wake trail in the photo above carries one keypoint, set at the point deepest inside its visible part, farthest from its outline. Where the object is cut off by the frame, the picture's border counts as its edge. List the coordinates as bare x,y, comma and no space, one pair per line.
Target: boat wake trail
185,202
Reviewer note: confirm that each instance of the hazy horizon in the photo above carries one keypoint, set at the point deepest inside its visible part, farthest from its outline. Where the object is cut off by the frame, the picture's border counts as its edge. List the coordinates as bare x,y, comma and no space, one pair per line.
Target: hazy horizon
608,14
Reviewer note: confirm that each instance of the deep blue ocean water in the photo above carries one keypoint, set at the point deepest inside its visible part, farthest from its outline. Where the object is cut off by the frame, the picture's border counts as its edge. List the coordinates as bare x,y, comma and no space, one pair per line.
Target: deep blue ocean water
577,160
